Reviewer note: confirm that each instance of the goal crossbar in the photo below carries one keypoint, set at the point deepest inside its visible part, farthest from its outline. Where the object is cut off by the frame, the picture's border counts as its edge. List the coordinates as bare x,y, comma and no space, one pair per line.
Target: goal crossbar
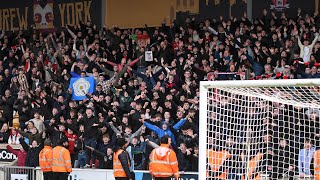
278,99
261,83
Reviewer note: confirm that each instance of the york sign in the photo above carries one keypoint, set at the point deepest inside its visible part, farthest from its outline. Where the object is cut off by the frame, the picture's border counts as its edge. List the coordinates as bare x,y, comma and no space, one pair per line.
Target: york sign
6,156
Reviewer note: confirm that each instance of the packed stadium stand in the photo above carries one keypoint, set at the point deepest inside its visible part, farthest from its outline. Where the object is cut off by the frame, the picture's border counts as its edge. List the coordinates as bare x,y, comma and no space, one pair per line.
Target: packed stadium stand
94,85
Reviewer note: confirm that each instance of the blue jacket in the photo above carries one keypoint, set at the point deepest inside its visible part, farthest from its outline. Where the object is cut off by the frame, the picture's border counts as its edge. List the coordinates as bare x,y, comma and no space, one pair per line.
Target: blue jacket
148,80
257,68
161,132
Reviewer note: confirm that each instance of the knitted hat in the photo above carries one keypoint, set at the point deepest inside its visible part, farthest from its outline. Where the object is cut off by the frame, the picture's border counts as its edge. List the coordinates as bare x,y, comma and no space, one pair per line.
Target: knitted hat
164,122
47,142
121,142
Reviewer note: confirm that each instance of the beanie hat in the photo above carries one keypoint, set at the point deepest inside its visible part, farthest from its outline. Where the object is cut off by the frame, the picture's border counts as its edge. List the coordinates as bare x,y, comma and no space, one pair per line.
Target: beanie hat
121,142
47,142
164,122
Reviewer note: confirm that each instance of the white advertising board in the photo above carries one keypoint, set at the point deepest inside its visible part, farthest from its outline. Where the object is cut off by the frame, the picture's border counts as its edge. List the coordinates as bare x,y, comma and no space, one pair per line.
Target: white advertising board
19,176
91,174
104,174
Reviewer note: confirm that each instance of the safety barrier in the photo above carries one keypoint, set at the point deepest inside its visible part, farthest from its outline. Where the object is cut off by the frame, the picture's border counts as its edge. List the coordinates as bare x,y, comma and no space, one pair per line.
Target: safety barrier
107,174
17,172
30,173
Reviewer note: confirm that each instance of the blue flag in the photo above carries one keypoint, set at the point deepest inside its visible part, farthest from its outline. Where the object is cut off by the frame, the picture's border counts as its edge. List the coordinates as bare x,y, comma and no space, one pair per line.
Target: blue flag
81,87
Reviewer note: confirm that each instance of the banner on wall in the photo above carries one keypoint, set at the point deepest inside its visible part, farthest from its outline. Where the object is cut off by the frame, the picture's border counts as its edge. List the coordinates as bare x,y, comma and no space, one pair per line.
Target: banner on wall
279,5
6,156
289,7
48,15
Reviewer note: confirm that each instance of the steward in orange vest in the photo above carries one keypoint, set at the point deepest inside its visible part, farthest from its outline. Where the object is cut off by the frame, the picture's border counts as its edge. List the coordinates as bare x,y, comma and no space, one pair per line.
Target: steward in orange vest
121,161
163,161
253,167
316,165
45,160
61,160
217,163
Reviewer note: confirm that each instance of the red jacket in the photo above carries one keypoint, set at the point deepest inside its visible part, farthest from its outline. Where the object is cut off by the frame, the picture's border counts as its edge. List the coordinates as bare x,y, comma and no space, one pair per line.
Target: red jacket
21,154
71,140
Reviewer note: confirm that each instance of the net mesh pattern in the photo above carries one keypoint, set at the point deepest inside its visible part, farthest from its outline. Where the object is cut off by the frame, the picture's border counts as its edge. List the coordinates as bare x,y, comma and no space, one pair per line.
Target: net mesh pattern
262,132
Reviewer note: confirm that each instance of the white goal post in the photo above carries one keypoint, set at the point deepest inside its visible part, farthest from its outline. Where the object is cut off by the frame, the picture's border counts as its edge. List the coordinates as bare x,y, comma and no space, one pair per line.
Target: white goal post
263,121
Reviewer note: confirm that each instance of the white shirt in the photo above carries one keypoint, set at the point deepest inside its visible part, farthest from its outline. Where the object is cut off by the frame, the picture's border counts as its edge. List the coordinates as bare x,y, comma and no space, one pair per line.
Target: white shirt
306,57
13,139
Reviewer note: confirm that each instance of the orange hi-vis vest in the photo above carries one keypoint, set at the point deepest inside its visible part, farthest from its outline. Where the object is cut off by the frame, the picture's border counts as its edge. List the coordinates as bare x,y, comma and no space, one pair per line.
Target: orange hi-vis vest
253,163
216,159
45,159
316,161
61,161
163,162
118,170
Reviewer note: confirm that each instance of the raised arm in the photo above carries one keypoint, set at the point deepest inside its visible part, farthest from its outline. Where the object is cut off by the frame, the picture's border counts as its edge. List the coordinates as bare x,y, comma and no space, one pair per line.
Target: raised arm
24,134
114,129
152,144
13,151
111,63
154,128
22,49
2,34
105,70
74,47
24,144
53,43
85,45
213,31
71,33
135,61
314,41
138,132
179,124
299,43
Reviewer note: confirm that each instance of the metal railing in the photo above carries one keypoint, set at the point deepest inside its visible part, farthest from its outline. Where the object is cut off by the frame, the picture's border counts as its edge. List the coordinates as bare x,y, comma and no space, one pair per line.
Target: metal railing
17,172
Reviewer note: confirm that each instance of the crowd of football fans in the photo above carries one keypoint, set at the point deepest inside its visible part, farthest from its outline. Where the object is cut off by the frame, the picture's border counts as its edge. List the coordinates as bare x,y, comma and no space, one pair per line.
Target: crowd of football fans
135,98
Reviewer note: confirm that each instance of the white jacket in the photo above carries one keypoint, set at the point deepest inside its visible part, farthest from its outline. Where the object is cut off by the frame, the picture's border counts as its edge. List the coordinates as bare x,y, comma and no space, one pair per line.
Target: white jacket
302,52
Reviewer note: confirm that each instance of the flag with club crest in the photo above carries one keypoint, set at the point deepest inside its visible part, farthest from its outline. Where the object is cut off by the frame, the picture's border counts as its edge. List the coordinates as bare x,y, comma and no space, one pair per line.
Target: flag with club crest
81,86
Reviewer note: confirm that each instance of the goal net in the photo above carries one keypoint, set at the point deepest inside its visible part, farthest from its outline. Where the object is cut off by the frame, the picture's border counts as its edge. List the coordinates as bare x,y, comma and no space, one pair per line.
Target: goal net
259,129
